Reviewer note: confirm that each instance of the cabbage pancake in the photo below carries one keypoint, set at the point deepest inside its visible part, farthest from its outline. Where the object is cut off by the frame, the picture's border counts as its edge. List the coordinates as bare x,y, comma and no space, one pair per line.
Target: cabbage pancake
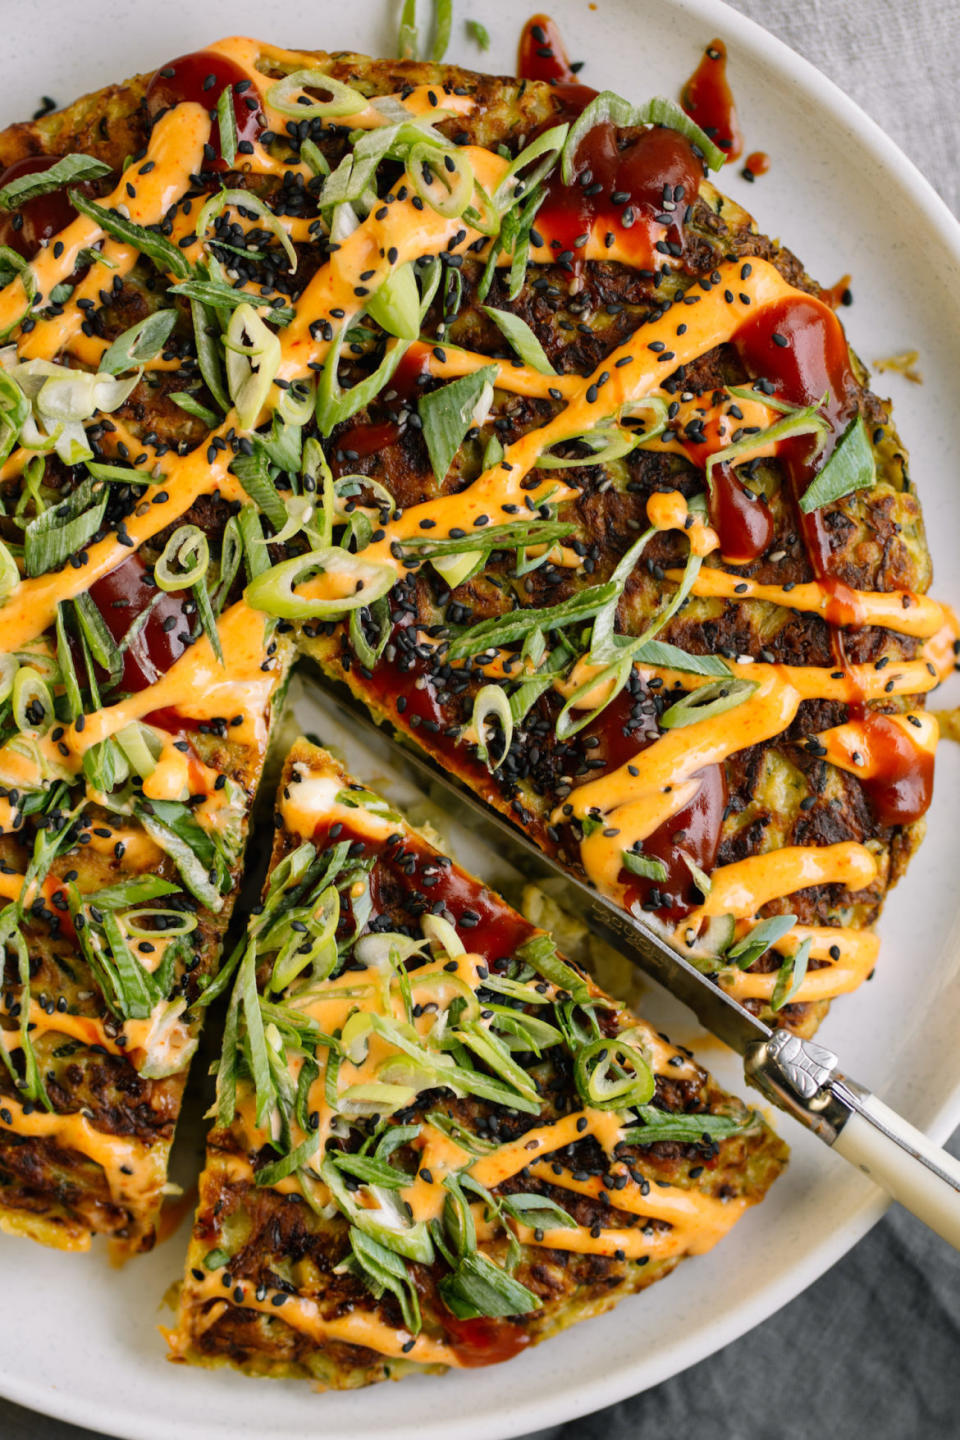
479,392
436,1141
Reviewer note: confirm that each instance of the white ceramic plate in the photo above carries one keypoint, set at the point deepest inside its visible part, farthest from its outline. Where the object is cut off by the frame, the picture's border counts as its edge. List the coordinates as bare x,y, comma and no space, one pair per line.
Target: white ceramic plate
78,1340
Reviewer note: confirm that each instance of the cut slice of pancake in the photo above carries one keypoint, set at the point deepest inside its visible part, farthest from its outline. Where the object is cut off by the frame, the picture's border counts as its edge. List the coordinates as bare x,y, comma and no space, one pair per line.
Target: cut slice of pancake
436,1140
119,886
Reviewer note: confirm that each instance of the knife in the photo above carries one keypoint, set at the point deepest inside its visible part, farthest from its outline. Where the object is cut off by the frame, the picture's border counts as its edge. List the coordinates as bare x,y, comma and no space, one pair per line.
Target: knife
800,1077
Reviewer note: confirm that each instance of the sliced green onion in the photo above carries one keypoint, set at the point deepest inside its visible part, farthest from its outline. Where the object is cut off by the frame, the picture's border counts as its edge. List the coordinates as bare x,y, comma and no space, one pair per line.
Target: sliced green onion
807,421
851,467
603,643
442,935
518,180
395,305
505,629
130,892
385,1220
608,106
208,340
69,170
648,866
103,647
478,34
140,344
479,1287
120,474
275,590
9,572
521,338
227,125
382,1270
14,410
249,340
33,711
187,548
284,96
334,404
442,23
670,657
245,200
537,1211
192,870
141,747
254,476
700,877
514,535
706,702
314,157
446,184
491,700
57,533
11,265
225,297
540,952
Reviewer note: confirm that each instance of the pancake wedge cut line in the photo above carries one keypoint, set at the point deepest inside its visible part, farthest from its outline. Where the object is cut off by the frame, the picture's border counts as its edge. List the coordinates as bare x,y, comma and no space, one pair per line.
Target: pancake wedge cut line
509,420
482,1212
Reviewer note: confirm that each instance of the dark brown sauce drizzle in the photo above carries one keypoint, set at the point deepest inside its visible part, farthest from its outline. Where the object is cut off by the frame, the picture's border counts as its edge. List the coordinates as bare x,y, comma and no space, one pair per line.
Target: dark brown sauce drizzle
201,77
638,195
708,99
31,224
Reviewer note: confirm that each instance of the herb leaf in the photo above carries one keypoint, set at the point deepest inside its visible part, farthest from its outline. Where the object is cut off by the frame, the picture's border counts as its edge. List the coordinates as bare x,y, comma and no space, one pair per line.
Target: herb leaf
447,415
522,338
758,940
537,1210
706,702
67,171
479,1287
164,254
662,1125
790,976
851,467
671,657
142,342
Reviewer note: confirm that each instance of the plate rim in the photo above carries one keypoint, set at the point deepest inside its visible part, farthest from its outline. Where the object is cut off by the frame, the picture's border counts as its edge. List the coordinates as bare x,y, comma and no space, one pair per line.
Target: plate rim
603,1390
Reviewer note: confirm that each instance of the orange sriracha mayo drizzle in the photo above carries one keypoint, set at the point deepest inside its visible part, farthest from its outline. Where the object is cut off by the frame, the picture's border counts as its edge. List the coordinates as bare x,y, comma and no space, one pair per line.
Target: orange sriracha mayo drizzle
687,1220
135,1172
175,148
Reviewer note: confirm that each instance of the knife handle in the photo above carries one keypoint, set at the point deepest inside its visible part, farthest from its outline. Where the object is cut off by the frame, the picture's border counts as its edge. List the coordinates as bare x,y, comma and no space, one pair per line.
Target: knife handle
802,1078
901,1159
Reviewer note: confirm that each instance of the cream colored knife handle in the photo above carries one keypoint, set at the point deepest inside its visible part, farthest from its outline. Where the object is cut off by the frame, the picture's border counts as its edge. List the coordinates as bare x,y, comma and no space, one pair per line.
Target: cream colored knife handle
900,1158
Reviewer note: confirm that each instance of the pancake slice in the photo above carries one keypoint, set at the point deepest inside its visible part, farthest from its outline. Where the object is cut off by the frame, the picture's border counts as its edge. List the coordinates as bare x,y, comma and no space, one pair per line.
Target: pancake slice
436,1141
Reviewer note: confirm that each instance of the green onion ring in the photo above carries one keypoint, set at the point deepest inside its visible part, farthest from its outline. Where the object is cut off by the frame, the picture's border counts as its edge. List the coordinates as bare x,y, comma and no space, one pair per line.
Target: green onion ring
189,548
275,590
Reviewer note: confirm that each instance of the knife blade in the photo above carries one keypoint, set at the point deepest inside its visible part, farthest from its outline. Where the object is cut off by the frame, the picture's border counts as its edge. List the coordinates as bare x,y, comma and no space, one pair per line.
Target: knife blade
801,1078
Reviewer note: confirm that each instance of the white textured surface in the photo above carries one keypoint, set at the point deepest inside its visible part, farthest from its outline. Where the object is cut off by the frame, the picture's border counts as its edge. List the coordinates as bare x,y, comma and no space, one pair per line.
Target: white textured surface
79,1341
